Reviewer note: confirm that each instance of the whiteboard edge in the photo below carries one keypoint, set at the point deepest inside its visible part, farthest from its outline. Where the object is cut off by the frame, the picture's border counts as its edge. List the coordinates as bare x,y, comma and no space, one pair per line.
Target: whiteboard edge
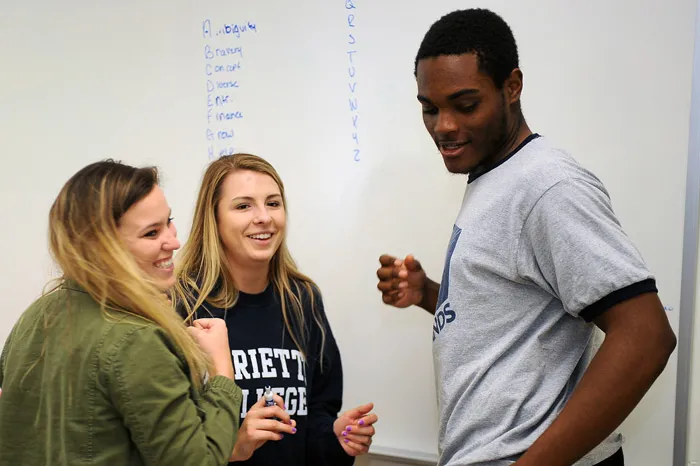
690,262
406,456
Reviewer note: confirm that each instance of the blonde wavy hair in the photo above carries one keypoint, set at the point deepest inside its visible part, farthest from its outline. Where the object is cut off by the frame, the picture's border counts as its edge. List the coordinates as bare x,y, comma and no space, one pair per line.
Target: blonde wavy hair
202,266
85,243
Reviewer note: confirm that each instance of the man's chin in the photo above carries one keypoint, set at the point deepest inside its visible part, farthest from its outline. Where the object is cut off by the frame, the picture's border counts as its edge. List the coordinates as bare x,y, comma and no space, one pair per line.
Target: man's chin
458,166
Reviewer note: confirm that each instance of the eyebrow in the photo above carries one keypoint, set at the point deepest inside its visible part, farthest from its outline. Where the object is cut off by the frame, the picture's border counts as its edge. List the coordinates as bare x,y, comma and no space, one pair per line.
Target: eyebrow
248,198
453,96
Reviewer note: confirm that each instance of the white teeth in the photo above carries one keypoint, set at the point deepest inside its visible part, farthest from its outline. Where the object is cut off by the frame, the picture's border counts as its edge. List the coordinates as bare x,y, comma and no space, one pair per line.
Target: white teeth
165,264
261,236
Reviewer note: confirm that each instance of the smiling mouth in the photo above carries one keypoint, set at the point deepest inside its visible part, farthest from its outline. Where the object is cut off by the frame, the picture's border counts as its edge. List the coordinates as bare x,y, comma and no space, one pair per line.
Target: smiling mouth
164,264
452,148
261,236
452,144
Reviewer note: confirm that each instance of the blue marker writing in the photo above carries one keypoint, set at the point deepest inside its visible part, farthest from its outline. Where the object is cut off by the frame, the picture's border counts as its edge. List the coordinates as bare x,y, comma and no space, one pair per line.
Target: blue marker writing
222,57
352,84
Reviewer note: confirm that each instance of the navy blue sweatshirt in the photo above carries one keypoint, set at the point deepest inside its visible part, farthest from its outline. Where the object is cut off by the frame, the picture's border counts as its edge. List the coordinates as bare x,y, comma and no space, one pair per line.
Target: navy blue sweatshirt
264,353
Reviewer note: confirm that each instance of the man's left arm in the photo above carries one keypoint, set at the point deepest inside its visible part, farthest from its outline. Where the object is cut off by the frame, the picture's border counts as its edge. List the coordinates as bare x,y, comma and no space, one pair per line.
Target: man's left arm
573,238
638,343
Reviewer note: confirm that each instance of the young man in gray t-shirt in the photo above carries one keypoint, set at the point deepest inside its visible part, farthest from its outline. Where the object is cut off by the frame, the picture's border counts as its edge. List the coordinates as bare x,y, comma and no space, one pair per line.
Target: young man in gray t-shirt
537,259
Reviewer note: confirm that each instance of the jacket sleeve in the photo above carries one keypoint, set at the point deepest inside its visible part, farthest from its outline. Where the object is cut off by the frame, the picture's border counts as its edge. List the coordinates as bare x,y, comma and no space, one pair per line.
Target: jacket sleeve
325,399
3,355
170,423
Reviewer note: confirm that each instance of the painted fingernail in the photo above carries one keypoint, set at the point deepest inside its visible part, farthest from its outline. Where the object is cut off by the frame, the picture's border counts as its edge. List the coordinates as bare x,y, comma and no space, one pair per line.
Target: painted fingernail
348,428
294,430
362,422
346,440
344,433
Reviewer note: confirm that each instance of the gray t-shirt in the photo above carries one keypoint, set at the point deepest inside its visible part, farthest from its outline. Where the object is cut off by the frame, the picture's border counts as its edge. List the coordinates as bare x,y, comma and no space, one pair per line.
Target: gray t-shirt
536,253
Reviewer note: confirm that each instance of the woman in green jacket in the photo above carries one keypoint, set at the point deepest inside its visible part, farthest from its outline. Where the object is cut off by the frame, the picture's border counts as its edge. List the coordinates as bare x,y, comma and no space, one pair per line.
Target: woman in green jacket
101,370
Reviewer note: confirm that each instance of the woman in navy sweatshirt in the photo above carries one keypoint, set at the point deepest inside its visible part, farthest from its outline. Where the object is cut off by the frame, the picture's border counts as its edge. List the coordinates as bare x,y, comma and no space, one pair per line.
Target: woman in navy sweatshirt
236,266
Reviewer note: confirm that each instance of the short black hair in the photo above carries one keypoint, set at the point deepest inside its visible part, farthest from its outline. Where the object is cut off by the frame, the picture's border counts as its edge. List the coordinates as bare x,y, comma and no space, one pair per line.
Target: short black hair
476,30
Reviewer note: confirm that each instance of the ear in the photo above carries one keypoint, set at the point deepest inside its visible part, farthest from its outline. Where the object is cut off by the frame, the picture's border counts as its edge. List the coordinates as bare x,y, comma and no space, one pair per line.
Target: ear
513,86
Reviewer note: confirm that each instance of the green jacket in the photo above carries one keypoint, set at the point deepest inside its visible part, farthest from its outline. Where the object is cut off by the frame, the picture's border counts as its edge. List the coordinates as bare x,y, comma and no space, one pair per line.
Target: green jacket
84,387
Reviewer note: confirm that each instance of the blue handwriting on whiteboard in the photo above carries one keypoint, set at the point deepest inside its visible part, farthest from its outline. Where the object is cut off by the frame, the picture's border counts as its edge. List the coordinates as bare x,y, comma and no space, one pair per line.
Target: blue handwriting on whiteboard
222,57
352,71
237,29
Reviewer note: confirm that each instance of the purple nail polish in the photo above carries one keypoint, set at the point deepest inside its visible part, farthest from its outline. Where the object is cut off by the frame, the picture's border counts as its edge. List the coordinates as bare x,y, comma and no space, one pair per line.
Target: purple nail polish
348,428
294,430
362,422
346,440
344,433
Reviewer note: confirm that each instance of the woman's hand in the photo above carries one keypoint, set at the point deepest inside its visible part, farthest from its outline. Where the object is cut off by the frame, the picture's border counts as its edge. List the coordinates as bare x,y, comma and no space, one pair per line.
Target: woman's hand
354,429
259,426
212,336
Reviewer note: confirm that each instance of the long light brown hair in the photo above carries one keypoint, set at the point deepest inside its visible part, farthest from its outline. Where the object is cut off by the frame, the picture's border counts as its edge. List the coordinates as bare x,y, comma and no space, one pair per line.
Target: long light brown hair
85,243
201,266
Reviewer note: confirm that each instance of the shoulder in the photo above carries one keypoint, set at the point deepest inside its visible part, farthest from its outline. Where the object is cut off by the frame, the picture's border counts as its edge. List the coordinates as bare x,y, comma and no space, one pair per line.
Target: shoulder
119,331
127,341
540,166
308,293
106,334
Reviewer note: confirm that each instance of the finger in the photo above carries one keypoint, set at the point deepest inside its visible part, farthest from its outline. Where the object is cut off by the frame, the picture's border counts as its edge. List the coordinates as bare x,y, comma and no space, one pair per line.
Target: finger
389,298
194,331
270,425
360,430
386,260
359,439
197,324
412,264
387,273
269,412
394,270
356,448
264,435
204,323
279,401
359,411
367,420
391,285
211,322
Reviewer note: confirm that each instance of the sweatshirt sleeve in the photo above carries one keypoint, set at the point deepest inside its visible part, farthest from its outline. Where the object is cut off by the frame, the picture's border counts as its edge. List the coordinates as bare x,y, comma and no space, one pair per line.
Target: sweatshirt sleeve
169,424
325,400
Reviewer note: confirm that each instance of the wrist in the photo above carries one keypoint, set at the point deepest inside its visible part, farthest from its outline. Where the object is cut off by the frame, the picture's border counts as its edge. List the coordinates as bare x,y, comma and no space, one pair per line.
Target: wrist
225,370
425,301
235,454
430,293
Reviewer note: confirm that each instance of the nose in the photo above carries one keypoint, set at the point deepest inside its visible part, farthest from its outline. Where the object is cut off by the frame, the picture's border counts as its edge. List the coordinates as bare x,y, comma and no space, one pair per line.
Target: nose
445,123
170,241
263,216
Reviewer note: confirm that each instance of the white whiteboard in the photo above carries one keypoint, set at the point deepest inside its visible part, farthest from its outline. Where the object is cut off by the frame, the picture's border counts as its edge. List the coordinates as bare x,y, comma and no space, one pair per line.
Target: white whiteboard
84,80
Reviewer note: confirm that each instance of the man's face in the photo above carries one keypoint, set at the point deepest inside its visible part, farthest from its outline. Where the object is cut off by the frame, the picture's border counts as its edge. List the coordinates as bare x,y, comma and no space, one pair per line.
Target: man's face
464,112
